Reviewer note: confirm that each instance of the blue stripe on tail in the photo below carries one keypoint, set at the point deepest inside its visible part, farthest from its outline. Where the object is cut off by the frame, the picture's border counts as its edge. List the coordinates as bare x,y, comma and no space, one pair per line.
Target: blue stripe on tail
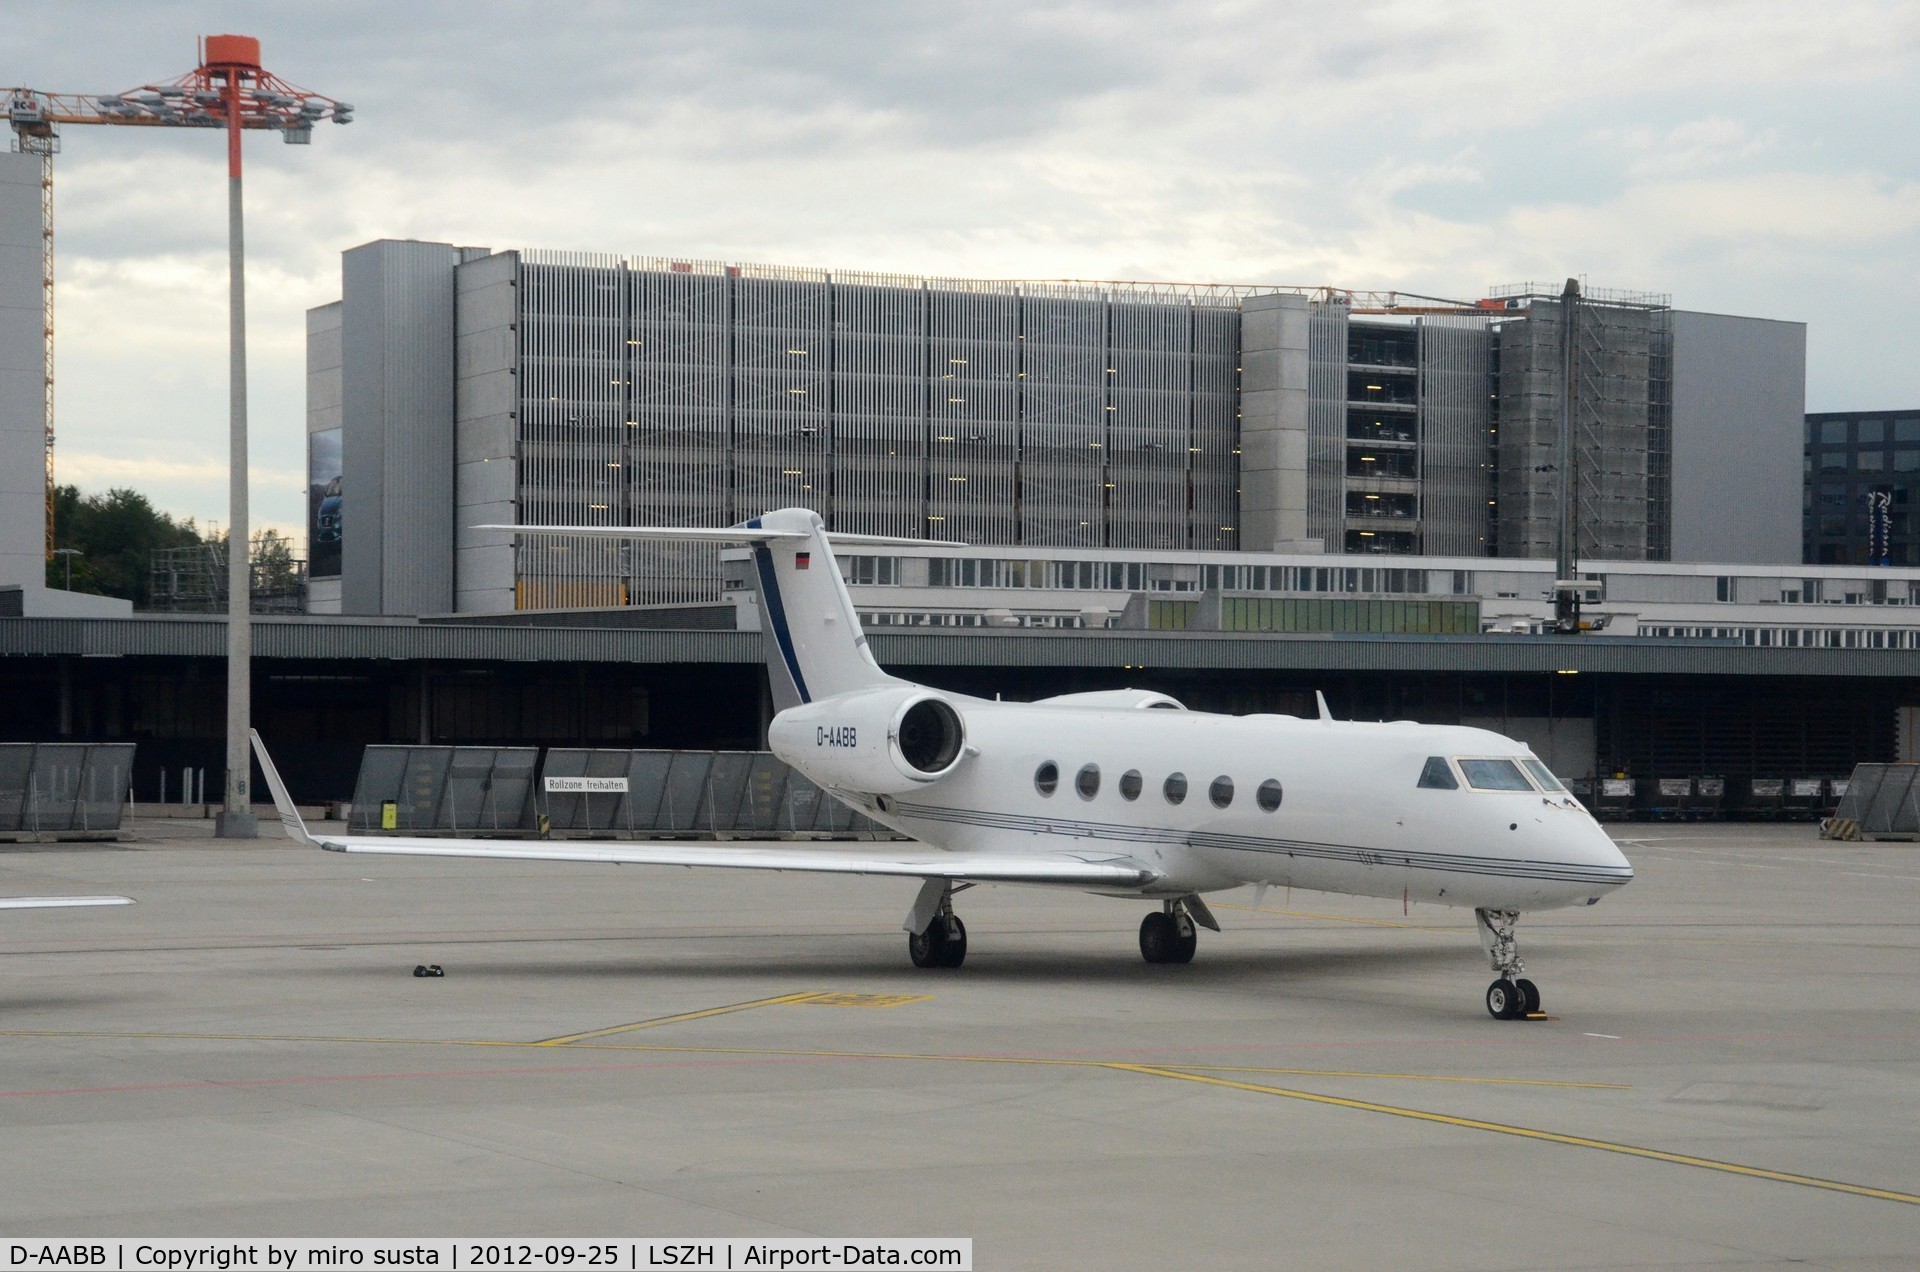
776,613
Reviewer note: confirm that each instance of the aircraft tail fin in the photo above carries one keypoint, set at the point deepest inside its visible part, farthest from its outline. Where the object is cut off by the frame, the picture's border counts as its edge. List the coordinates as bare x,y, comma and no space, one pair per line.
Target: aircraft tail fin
814,645
282,802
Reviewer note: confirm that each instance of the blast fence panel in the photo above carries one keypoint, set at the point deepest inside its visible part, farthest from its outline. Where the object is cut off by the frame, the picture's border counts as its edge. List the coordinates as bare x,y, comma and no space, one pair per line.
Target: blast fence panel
734,793
1889,797
63,786
451,789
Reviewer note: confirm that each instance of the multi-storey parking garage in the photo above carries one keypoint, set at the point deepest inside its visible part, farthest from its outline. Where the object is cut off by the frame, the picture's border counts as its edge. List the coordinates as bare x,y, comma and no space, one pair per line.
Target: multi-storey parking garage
452,388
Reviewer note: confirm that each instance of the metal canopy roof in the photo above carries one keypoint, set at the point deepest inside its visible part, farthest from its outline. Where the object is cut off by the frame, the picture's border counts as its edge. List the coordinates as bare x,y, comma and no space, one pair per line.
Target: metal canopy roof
199,636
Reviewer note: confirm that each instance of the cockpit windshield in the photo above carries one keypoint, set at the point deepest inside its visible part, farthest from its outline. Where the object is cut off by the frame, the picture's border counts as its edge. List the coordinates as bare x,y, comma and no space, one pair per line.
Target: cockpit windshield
1436,776
1494,775
1543,775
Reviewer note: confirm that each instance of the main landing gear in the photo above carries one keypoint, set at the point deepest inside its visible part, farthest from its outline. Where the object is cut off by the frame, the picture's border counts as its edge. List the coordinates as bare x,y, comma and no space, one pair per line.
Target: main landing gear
1512,997
935,935
1171,933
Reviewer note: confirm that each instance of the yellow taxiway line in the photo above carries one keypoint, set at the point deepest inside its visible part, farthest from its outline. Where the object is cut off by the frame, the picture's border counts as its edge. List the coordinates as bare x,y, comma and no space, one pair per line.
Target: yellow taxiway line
1547,1137
1190,1073
570,1039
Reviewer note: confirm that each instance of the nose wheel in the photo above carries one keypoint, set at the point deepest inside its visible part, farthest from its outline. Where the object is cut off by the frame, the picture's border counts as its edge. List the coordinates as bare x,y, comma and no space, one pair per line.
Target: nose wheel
1512,999
1513,996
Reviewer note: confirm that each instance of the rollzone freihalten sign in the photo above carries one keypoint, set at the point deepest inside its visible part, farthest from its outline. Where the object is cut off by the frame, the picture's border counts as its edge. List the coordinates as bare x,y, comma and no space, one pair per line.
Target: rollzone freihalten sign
586,785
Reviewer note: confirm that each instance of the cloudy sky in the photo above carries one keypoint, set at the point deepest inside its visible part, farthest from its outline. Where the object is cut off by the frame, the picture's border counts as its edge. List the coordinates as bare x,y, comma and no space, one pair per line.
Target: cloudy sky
1747,158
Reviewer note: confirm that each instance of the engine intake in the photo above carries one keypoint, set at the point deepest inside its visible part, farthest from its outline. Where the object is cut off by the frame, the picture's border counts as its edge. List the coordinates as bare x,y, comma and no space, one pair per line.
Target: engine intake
930,736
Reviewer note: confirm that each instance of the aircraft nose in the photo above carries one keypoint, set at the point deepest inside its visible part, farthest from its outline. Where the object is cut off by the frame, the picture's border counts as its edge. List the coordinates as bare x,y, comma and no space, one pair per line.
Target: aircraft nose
1606,854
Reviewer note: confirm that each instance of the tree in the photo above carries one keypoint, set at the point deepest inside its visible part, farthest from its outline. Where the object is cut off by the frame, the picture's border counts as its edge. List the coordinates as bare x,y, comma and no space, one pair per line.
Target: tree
117,534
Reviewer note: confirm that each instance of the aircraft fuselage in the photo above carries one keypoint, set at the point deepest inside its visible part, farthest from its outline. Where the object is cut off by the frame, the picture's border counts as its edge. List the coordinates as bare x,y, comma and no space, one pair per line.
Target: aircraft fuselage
1352,816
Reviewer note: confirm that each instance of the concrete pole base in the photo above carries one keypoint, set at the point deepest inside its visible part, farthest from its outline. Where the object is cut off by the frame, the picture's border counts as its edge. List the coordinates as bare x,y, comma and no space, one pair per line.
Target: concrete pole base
228,825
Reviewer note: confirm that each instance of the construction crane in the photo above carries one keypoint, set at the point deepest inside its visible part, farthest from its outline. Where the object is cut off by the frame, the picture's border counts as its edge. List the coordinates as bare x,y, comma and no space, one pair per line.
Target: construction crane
229,75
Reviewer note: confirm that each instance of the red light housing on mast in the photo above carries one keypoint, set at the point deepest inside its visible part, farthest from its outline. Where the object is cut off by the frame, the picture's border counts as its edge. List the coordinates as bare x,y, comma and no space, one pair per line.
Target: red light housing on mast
241,52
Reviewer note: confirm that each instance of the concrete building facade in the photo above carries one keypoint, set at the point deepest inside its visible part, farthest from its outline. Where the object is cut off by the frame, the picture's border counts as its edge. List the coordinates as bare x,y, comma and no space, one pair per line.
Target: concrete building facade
26,371
23,369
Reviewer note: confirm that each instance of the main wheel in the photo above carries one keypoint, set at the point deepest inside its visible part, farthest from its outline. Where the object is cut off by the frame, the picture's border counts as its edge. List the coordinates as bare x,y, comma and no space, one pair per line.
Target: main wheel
1529,996
927,948
953,950
1504,1001
1183,946
1157,937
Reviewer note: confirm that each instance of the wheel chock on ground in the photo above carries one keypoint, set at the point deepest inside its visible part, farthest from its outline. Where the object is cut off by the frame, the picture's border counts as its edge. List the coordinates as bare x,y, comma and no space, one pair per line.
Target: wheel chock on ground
428,969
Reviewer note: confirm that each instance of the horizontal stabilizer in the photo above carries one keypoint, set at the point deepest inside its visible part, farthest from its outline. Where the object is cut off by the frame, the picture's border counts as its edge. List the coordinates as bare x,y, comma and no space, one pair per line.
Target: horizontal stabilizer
888,540
725,534
667,534
50,903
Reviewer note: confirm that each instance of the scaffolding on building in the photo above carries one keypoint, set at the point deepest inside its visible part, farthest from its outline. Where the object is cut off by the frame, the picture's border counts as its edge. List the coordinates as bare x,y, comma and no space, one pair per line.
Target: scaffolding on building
1619,448
193,579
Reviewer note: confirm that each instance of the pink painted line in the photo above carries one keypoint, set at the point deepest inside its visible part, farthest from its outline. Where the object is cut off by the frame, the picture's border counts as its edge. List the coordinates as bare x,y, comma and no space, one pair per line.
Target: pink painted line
431,1073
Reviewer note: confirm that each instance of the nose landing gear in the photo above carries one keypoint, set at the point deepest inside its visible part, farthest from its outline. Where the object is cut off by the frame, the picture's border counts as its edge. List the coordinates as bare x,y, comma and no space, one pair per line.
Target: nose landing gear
1512,997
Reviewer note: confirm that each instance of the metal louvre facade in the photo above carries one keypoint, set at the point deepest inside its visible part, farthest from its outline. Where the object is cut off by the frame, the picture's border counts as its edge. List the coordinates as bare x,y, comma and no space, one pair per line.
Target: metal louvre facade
1455,371
1327,423
616,390
657,392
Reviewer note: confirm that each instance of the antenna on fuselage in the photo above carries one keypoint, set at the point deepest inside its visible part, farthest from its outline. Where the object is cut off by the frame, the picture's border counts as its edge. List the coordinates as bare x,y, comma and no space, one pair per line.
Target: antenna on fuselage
1321,699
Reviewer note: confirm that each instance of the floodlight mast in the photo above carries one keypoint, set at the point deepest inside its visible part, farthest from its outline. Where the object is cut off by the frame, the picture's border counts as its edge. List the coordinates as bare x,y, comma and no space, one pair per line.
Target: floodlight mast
229,89
228,58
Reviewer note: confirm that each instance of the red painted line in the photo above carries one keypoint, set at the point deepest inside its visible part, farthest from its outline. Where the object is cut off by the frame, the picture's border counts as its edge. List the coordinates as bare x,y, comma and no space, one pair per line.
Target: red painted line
430,1073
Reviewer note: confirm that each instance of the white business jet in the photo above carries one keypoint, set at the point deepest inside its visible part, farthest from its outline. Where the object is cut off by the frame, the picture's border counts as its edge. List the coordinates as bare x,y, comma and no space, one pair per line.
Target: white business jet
1121,793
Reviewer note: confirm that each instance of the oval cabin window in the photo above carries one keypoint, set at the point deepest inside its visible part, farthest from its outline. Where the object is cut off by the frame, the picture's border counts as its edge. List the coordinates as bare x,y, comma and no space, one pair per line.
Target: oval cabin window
1087,781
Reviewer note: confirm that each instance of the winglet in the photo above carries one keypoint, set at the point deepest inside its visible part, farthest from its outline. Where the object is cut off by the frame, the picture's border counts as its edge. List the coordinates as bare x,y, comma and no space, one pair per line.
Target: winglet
283,802
1325,714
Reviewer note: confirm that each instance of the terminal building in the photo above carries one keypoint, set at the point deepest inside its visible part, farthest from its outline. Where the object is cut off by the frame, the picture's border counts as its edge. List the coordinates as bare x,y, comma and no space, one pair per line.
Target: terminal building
452,387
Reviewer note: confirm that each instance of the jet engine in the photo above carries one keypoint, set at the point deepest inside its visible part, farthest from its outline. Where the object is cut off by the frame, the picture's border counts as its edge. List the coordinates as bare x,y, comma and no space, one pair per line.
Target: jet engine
882,741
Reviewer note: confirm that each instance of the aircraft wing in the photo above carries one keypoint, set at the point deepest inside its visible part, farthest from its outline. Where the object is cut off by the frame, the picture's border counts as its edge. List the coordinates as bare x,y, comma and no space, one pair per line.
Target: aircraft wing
41,903
1092,869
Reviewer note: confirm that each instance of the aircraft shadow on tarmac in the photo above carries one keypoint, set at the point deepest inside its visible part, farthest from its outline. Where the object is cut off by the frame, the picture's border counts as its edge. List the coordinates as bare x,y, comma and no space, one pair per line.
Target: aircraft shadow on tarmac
1251,969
